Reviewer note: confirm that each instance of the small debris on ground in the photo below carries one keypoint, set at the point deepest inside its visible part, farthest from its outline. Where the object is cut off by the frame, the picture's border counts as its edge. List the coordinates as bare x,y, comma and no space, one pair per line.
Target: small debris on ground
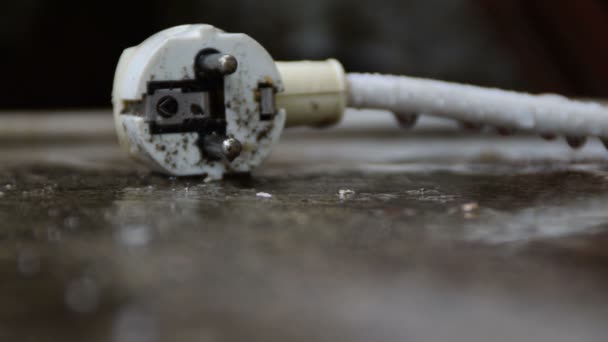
422,192
409,212
470,207
134,235
263,195
470,210
346,194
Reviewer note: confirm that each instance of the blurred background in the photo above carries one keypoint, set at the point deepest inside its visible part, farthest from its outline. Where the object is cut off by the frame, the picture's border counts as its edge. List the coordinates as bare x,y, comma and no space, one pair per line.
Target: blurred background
62,54
370,233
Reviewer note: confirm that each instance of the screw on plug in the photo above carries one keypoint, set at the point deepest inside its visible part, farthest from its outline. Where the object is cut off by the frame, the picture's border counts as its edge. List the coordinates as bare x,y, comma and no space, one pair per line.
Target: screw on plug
231,148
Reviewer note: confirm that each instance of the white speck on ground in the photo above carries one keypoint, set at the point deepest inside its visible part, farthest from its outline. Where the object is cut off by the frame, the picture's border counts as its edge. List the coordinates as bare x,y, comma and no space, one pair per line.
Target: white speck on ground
469,207
263,195
134,235
470,210
345,194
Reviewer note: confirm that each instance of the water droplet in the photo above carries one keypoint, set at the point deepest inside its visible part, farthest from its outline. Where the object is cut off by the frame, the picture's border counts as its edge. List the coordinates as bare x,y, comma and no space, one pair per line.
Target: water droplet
549,136
406,120
505,131
28,263
53,234
71,222
576,142
471,126
134,236
82,295
133,324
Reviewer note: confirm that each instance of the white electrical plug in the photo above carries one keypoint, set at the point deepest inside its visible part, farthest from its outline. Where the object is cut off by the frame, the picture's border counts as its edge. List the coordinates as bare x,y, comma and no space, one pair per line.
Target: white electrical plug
194,100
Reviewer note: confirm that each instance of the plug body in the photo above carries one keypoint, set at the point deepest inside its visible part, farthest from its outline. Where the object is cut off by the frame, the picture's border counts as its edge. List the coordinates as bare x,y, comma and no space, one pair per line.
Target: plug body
194,100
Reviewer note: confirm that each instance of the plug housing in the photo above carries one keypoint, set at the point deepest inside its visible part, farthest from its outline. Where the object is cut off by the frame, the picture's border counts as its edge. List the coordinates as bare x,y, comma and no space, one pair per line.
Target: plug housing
194,100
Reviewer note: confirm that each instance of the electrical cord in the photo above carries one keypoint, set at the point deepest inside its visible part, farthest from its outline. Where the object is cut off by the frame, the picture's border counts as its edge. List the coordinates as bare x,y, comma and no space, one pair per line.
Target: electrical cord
538,113
194,100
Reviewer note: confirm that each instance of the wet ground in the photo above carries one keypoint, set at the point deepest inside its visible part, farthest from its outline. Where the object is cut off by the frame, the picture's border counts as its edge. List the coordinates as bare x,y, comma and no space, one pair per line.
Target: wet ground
370,234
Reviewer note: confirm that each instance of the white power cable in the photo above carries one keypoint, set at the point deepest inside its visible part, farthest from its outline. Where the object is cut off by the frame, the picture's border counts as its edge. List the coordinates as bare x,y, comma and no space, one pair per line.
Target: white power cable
539,113
194,100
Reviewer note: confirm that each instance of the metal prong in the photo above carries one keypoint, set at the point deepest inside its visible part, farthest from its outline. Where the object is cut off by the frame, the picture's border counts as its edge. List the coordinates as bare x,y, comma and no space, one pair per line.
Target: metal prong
218,63
231,148
221,147
576,142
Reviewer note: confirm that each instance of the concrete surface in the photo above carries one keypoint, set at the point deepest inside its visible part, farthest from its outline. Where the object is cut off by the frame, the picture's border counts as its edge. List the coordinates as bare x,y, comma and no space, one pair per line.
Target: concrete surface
371,234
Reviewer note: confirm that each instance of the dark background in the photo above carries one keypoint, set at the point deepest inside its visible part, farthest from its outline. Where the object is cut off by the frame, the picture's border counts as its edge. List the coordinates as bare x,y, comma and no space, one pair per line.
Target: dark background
62,54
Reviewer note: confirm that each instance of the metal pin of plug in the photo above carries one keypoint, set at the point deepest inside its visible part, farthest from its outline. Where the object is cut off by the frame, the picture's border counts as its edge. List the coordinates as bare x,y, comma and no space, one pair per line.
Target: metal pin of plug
218,63
222,147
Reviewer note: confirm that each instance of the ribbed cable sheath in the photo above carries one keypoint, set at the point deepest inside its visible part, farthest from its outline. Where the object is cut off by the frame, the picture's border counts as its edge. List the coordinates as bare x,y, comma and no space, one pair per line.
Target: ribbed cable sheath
540,113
